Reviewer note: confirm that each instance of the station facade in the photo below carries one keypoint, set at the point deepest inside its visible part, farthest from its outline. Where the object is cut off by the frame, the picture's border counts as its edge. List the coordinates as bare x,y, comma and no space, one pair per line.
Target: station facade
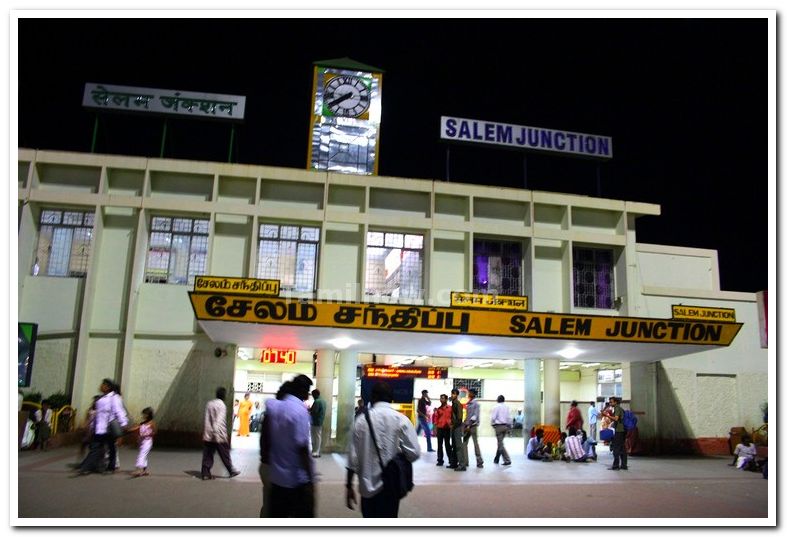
111,247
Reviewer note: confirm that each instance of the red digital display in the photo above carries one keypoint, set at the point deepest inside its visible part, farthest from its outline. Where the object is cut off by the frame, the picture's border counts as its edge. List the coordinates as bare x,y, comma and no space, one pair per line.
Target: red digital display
386,372
277,356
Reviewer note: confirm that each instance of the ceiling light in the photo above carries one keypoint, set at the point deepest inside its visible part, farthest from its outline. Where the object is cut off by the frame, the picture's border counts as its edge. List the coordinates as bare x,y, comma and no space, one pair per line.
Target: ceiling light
569,352
464,347
468,366
342,342
591,364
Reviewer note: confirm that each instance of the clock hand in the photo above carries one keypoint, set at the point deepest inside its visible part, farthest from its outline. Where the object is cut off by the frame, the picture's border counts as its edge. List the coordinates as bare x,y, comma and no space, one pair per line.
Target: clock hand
340,99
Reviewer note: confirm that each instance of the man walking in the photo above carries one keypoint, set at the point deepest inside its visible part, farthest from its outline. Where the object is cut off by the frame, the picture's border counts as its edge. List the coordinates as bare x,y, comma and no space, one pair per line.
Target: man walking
214,435
574,417
291,467
394,434
317,412
501,422
619,456
471,428
593,414
458,460
442,422
423,419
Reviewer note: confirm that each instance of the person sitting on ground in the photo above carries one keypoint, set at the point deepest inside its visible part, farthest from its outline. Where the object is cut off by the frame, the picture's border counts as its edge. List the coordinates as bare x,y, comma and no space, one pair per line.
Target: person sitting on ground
574,449
536,449
589,445
559,451
744,456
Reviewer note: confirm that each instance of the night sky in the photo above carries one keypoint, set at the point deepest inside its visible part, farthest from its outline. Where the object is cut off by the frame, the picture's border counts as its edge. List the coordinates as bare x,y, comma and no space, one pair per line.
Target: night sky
684,100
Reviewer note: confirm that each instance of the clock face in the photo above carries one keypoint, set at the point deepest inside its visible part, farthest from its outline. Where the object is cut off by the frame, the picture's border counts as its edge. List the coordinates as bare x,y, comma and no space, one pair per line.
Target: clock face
346,96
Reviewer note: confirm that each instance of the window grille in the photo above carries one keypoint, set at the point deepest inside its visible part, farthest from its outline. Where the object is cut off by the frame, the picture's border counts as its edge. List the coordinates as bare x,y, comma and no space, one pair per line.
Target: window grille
476,384
497,267
394,264
610,383
288,253
64,240
594,281
178,249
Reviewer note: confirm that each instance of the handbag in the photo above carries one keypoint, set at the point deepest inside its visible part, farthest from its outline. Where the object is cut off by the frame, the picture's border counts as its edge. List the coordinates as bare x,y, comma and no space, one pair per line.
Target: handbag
114,428
398,473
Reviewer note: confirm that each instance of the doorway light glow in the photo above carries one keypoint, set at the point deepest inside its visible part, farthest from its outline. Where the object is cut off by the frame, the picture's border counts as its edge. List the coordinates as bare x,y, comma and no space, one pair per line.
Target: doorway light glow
342,343
569,352
464,347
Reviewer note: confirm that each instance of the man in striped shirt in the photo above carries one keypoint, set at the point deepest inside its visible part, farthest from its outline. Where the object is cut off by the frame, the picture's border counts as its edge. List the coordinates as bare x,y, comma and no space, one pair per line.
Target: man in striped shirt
574,446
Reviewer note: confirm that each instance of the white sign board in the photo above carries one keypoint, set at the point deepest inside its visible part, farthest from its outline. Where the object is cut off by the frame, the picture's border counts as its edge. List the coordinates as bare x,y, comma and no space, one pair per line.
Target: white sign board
524,137
162,101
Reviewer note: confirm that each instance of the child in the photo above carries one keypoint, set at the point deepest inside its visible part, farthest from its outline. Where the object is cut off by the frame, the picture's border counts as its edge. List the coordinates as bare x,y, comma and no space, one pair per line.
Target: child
559,453
43,425
147,429
744,455
90,428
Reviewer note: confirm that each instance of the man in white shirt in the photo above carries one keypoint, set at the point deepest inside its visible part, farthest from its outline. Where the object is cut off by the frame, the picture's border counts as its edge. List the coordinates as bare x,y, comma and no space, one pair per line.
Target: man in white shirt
394,434
501,421
214,435
593,414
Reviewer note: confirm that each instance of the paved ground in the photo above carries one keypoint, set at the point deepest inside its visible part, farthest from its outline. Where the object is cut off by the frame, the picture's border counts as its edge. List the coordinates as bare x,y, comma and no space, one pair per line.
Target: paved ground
664,487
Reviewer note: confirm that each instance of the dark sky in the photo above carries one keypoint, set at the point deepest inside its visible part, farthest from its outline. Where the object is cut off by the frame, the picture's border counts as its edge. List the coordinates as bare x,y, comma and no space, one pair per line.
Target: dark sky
684,100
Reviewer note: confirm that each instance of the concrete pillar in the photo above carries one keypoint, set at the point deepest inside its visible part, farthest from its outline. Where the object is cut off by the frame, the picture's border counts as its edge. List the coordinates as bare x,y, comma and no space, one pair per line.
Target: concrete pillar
552,392
532,395
326,363
348,362
644,402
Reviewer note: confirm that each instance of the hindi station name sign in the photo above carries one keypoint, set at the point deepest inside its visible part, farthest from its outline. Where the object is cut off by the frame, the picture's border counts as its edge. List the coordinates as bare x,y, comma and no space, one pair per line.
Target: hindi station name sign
488,301
164,101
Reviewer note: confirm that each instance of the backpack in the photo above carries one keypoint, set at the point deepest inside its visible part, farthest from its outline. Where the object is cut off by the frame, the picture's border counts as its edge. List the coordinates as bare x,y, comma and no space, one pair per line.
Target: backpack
629,420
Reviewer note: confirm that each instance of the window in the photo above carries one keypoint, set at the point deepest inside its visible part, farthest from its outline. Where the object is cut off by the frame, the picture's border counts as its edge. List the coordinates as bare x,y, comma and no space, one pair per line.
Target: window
178,249
288,253
594,281
497,267
610,383
394,264
63,243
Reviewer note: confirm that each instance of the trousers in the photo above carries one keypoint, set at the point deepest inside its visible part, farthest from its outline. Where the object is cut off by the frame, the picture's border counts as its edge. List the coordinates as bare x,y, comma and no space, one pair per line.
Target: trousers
209,449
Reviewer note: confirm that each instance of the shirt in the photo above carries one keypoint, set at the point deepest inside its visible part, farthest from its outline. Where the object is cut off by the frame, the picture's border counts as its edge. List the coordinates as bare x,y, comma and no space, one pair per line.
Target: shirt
456,414
442,417
533,444
317,412
500,415
473,413
574,447
618,425
574,418
593,414
289,427
109,407
519,419
422,404
215,424
746,451
394,433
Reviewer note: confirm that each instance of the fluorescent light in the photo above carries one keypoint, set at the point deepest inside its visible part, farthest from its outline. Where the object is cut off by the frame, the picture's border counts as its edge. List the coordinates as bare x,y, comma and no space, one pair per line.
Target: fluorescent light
342,342
591,364
468,366
569,352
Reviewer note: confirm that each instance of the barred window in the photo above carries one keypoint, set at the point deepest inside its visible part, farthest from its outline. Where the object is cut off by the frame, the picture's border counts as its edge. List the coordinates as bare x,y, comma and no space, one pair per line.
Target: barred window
497,267
594,280
610,383
178,249
394,264
288,253
63,243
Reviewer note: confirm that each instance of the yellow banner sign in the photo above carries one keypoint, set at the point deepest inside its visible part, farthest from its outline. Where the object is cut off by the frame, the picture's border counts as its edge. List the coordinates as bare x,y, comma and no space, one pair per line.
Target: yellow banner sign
722,315
238,286
488,301
398,317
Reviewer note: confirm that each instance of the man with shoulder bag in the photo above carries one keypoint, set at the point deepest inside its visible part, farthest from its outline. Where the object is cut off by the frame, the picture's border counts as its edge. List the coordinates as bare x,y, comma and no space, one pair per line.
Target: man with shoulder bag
383,446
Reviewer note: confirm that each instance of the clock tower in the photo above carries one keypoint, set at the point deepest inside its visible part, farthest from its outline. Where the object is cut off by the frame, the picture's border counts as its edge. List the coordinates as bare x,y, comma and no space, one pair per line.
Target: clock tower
344,134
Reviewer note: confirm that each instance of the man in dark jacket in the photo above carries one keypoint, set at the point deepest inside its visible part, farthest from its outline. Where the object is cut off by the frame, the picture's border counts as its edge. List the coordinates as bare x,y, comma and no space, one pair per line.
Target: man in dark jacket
458,461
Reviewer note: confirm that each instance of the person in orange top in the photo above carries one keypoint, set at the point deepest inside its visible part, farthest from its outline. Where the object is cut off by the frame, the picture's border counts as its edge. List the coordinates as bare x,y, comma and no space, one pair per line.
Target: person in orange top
441,417
244,411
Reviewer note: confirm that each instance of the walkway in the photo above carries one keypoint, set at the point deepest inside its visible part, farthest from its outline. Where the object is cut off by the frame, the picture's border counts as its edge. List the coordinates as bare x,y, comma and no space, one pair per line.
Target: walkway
663,487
